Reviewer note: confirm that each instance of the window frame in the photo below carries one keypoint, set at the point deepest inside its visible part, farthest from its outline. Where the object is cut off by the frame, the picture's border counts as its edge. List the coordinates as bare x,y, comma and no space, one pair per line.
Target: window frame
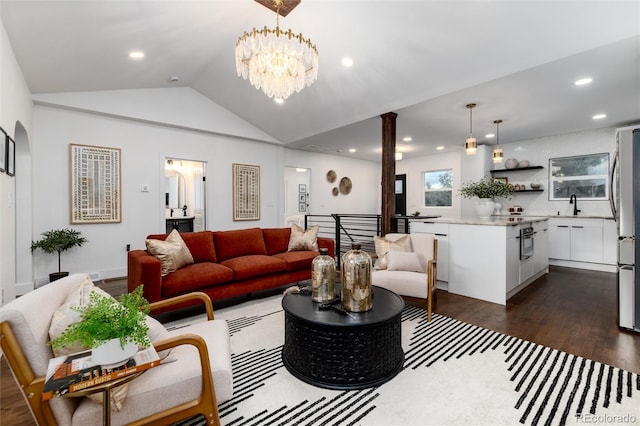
606,176
424,189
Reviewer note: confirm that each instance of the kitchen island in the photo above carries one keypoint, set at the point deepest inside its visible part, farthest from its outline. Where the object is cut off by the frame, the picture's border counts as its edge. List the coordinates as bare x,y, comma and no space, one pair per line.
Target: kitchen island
489,260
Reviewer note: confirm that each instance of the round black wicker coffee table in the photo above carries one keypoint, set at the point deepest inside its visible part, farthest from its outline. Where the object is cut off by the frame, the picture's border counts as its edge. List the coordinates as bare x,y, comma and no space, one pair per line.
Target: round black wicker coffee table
334,350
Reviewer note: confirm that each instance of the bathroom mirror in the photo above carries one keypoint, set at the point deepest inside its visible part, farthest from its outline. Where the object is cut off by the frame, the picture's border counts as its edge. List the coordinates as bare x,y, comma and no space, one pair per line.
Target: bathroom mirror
174,192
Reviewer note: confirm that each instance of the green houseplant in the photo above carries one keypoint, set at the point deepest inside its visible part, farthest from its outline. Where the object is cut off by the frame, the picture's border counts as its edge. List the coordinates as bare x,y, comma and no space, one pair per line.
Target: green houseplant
485,190
104,320
57,241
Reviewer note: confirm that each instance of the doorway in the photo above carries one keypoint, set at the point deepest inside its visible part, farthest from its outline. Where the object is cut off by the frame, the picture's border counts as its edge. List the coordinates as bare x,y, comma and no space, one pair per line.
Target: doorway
401,195
297,192
184,195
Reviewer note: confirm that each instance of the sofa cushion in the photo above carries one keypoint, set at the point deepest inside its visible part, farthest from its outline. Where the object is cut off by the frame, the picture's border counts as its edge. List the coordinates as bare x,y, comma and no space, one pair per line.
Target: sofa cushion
199,243
391,242
303,240
172,253
405,261
276,239
242,242
194,277
245,267
297,260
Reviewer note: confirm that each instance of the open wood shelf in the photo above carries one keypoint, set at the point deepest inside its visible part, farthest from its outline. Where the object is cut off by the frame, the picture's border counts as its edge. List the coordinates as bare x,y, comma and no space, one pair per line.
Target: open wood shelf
517,169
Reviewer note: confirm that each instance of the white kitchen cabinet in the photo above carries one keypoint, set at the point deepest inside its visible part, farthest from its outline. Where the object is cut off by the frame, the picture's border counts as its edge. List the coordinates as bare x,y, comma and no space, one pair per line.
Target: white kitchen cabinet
577,240
512,257
441,232
559,240
541,246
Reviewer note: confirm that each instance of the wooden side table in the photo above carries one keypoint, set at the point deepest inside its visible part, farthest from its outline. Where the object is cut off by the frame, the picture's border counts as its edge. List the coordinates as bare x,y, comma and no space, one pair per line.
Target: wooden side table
105,388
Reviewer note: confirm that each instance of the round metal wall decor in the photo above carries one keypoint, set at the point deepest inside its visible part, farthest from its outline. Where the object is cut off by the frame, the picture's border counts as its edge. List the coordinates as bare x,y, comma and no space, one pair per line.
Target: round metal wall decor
335,191
331,176
345,185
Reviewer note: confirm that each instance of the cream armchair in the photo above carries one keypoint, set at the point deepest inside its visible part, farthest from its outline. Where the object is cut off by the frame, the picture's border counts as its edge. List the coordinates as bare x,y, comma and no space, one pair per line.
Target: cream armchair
410,270
194,383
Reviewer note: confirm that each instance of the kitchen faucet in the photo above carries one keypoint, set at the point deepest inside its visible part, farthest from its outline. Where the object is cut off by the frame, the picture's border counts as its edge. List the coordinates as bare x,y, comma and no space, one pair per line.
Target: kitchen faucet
574,200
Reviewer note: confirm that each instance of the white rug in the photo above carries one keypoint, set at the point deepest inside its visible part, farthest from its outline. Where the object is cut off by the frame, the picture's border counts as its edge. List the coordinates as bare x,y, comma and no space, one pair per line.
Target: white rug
454,374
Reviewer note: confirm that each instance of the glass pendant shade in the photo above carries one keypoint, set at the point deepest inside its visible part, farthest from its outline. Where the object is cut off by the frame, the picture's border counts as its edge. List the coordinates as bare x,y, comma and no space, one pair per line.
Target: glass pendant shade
470,145
497,155
497,152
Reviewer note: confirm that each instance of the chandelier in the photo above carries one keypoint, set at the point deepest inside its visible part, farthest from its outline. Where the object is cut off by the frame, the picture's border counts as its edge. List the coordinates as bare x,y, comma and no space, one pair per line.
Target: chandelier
276,61
497,152
470,145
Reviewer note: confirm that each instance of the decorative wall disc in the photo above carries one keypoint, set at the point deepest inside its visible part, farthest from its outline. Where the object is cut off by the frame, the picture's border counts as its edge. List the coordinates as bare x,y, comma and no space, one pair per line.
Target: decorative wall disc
335,191
345,185
331,176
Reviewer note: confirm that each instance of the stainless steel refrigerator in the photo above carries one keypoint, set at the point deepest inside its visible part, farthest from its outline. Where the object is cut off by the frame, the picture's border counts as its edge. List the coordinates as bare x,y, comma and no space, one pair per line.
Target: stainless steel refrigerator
625,204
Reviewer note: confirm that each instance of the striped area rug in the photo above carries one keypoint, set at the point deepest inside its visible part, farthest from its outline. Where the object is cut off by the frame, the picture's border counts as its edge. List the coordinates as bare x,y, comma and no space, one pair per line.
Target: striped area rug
454,373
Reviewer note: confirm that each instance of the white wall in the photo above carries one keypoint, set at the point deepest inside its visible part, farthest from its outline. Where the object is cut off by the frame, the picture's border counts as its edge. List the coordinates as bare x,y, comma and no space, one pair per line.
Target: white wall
16,118
143,148
365,177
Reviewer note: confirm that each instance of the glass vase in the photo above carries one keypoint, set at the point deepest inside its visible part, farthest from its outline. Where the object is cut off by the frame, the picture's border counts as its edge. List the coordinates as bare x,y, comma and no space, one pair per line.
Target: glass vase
356,280
323,277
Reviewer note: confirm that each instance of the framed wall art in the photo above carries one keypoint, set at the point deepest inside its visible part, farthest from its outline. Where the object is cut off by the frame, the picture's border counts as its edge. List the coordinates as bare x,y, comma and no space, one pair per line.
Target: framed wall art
95,184
10,157
246,192
302,188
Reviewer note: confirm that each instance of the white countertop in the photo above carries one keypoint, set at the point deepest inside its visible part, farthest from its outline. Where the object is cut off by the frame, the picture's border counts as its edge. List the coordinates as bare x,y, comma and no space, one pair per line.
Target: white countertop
494,221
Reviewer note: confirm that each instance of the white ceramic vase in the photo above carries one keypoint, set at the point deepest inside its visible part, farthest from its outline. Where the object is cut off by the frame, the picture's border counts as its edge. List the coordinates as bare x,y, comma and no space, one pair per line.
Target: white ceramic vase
110,354
484,208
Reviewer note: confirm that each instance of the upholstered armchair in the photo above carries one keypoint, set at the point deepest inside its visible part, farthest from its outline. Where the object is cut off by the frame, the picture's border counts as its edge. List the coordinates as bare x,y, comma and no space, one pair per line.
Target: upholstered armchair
195,382
407,265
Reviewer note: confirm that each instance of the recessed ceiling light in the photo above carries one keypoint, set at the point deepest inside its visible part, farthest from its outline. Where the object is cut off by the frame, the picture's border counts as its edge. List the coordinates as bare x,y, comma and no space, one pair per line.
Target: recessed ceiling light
407,139
599,116
136,54
278,100
490,135
352,150
347,62
174,79
583,81
439,148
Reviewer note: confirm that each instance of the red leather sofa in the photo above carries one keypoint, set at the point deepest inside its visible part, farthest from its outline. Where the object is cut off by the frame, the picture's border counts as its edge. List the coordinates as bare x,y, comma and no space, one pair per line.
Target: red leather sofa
226,264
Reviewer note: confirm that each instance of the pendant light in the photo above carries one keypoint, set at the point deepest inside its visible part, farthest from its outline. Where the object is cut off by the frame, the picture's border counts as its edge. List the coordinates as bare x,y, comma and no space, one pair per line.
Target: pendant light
497,152
470,146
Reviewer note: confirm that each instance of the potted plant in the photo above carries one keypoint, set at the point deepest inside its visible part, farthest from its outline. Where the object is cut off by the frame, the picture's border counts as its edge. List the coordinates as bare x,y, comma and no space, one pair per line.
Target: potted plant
57,241
107,326
486,190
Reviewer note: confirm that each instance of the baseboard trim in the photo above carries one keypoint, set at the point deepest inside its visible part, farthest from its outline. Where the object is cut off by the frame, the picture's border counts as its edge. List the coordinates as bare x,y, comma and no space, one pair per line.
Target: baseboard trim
583,265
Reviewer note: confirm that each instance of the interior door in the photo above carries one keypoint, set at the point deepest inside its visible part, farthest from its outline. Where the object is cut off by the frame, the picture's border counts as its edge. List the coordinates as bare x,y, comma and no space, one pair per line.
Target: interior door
401,195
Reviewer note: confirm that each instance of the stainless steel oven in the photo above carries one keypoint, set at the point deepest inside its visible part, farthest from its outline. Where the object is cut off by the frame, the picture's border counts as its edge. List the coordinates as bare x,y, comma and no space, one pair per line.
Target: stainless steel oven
526,242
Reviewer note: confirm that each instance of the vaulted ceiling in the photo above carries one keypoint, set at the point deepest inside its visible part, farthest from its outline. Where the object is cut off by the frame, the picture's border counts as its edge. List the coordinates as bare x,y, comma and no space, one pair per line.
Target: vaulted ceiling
424,60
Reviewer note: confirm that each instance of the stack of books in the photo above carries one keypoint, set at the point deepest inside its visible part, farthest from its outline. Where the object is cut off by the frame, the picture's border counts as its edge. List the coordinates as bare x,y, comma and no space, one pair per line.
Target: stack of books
75,372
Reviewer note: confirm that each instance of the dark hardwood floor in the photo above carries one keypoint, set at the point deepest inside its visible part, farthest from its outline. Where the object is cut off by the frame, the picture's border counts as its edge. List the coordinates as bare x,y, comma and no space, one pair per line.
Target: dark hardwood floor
568,309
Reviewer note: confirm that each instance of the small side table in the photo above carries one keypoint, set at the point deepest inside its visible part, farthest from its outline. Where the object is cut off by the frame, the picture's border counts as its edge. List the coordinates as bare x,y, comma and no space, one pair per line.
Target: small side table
105,388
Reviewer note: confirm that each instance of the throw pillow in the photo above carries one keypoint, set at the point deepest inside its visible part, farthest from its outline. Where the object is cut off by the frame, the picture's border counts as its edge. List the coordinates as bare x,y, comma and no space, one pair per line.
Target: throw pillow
172,253
303,240
64,316
404,261
384,246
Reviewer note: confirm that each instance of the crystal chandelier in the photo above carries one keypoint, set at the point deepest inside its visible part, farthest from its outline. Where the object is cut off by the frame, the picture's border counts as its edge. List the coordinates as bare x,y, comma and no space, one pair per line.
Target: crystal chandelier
275,61
497,152
470,145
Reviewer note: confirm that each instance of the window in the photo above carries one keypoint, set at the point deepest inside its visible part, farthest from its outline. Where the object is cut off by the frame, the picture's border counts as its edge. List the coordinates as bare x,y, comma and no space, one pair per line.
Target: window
586,176
438,188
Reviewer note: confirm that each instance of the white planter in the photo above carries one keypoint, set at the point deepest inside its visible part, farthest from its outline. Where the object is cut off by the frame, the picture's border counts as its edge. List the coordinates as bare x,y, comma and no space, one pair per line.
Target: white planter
110,354
484,208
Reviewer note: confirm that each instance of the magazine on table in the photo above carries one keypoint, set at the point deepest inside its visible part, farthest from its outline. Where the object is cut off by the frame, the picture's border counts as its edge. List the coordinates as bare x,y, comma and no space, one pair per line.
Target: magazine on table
71,373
